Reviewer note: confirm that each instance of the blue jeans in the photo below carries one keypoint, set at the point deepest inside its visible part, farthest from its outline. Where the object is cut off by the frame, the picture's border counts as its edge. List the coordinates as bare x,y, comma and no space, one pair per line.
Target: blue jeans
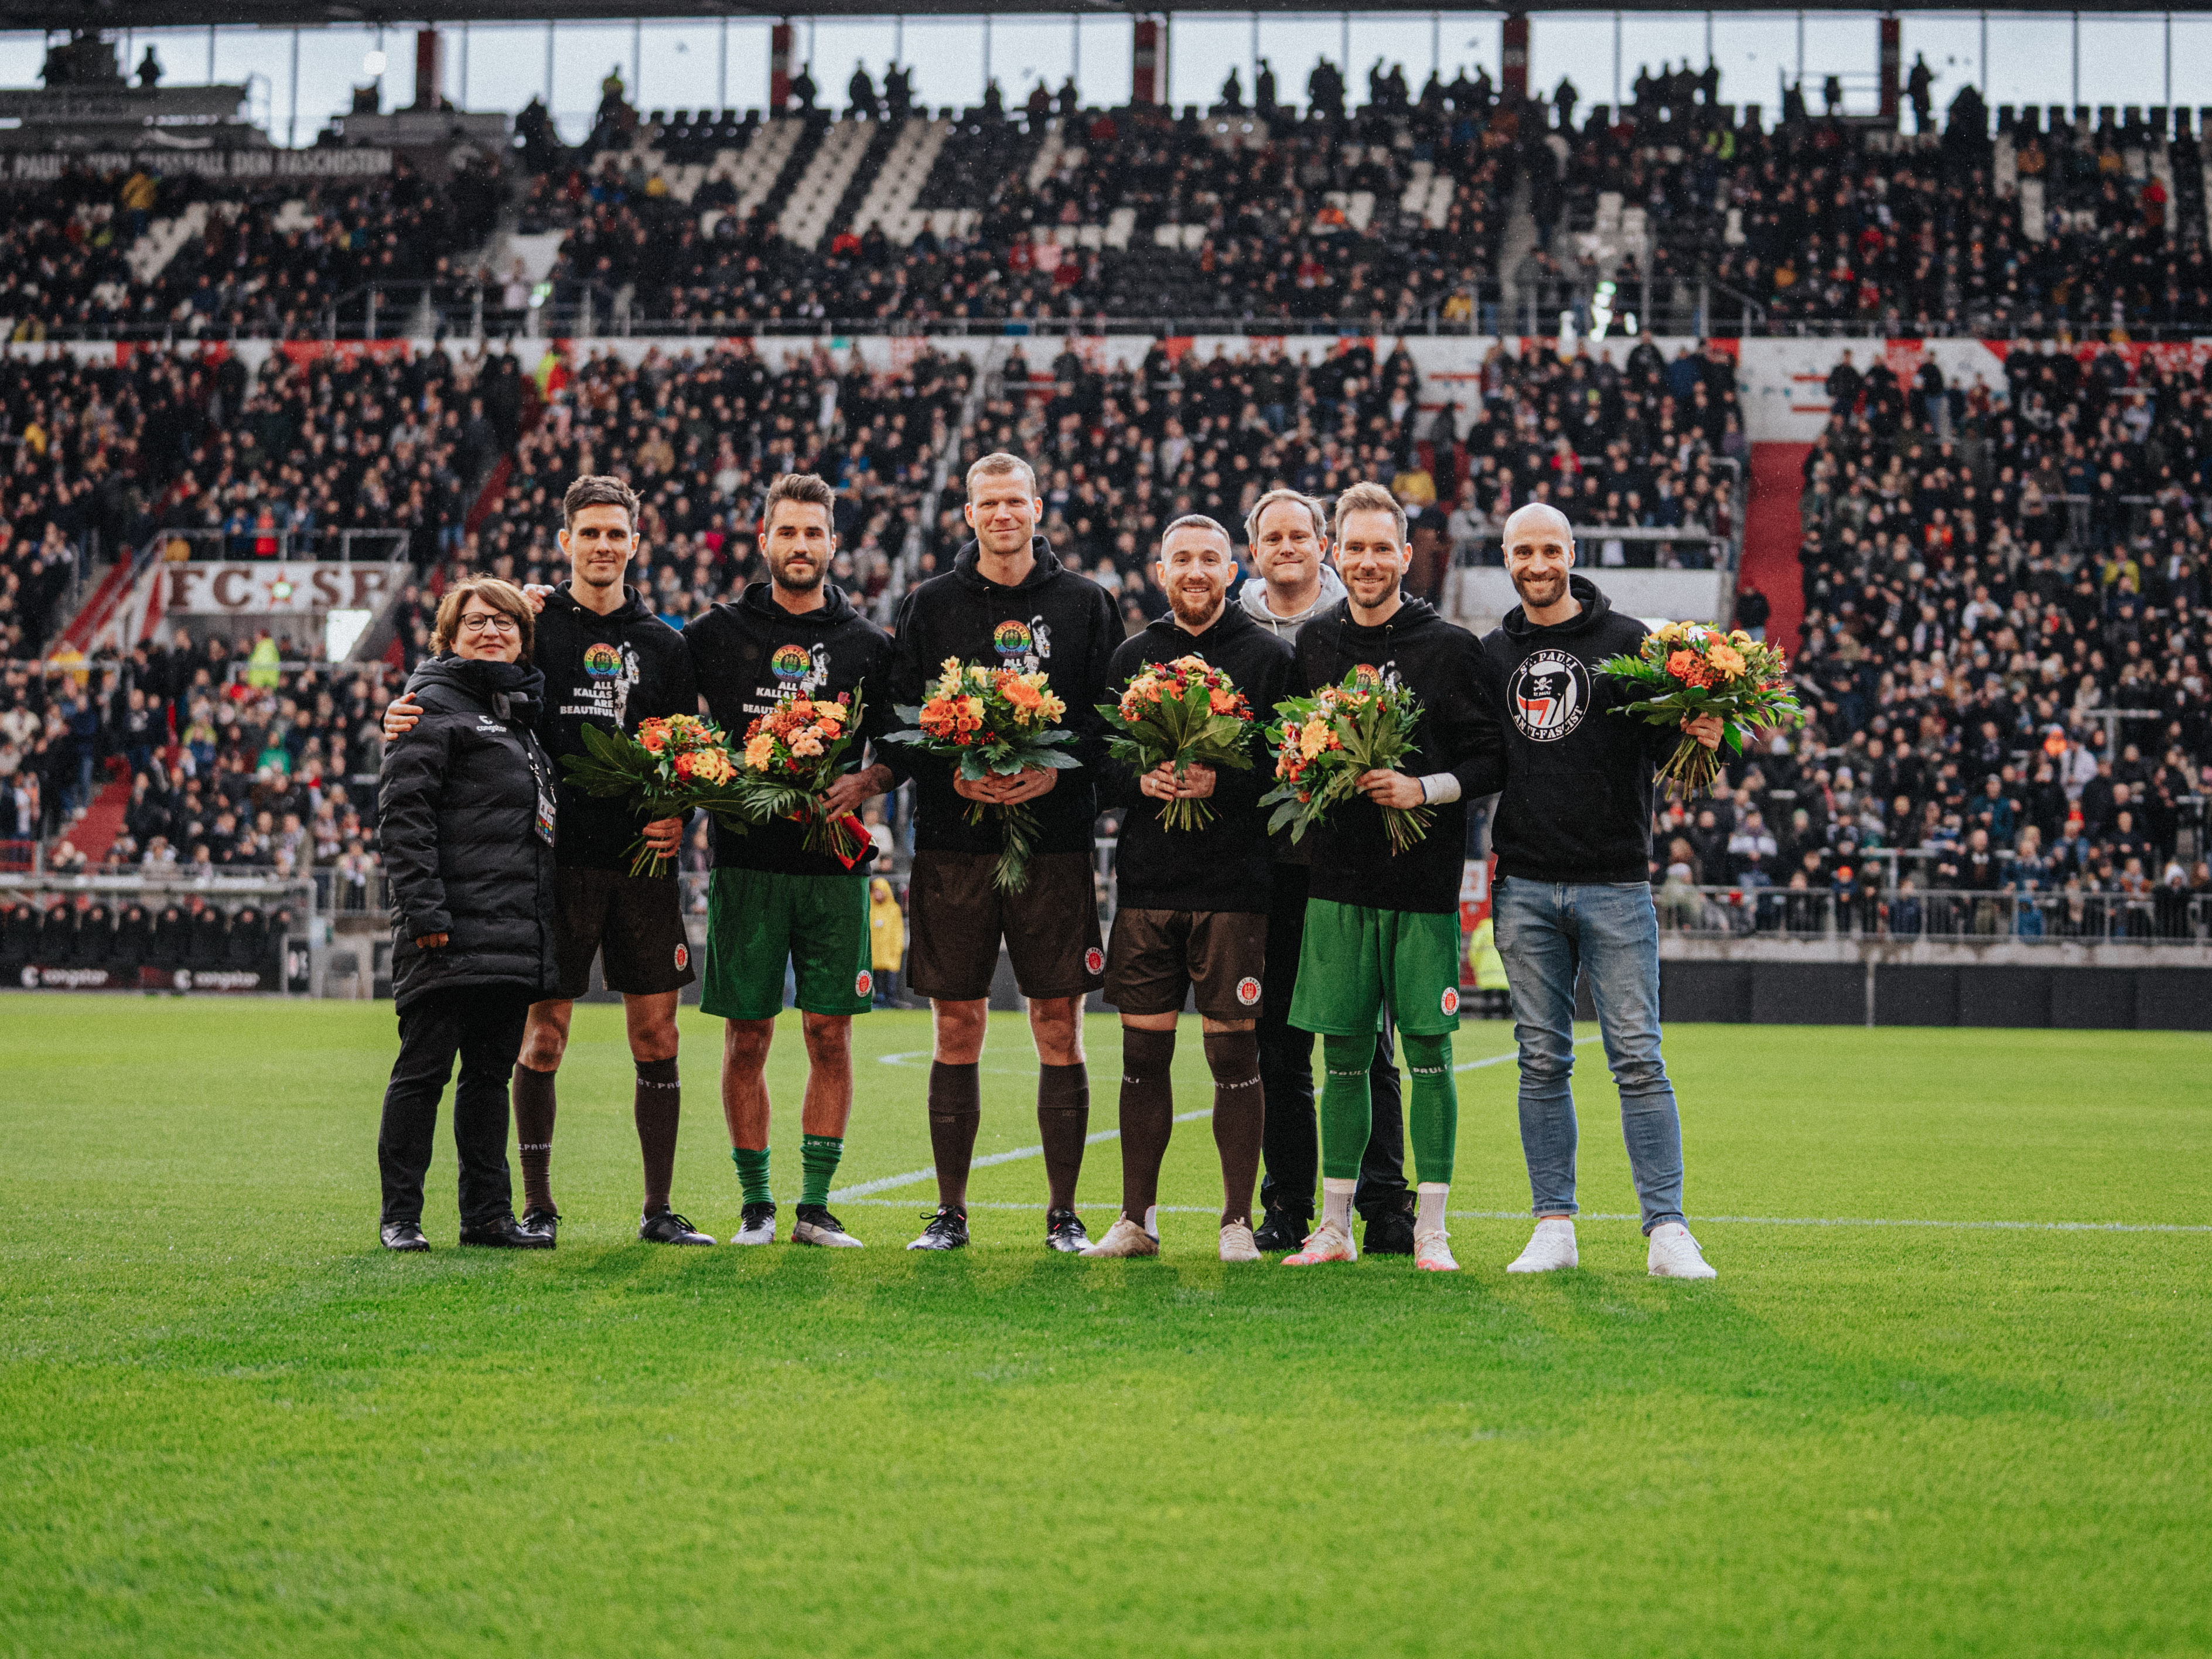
1548,934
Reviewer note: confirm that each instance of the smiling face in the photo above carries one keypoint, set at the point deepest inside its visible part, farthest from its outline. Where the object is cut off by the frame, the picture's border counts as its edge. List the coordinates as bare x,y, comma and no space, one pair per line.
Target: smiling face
798,543
486,634
1194,568
1003,510
1540,551
1370,556
600,542
1287,549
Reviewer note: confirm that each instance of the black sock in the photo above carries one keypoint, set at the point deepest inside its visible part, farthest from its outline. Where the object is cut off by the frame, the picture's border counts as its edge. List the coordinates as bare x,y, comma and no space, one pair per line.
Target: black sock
658,1103
1147,1115
531,1095
956,1111
1240,1117
1063,1121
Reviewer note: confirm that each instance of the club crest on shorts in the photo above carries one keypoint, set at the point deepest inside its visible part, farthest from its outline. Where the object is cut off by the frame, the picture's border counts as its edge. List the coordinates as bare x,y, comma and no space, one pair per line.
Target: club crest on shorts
602,661
863,983
1549,694
1248,990
682,957
1094,961
1449,1002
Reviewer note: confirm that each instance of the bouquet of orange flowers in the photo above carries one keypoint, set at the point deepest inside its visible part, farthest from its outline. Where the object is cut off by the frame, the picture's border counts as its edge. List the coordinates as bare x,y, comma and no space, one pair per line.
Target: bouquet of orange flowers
1183,713
1693,669
993,722
1324,743
670,767
791,754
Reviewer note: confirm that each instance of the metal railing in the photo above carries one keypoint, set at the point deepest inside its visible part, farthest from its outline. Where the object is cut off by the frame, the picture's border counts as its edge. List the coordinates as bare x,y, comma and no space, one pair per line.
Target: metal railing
343,546
2162,916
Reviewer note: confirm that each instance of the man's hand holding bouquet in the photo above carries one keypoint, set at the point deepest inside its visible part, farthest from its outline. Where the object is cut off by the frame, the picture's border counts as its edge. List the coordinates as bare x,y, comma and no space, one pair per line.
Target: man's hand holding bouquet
1694,672
1173,717
791,757
995,725
1330,746
667,768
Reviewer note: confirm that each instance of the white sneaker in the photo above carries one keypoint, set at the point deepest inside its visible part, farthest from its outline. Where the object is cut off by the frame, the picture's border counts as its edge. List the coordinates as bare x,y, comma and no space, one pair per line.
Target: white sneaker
1433,1252
1327,1242
1124,1237
756,1226
1674,1253
816,1225
1551,1247
1237,1243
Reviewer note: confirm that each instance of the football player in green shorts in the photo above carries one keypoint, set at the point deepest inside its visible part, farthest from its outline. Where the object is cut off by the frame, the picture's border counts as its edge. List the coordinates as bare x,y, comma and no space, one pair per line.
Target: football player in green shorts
769,901
1383,927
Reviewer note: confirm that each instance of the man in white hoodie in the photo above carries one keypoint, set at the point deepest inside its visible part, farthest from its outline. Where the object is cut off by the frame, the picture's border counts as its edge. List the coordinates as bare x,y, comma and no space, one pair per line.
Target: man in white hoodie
1287,541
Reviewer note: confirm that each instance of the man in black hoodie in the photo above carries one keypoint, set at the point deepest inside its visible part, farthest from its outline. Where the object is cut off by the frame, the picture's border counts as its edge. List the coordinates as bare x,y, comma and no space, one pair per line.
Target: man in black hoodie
1007,600
1573,840
1193,911
771,901
609,662
1382,926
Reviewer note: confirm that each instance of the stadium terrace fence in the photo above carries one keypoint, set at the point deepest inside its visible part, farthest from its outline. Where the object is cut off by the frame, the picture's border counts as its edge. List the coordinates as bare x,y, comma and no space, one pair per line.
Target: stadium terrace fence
2161,915
228,933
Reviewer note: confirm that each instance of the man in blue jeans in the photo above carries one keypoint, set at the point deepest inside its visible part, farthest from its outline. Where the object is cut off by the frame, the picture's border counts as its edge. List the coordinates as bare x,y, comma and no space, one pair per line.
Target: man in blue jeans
1573,839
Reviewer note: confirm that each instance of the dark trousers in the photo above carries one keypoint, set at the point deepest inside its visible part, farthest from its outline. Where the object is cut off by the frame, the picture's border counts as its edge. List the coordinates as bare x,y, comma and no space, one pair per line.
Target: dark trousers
1292,1145
483,1025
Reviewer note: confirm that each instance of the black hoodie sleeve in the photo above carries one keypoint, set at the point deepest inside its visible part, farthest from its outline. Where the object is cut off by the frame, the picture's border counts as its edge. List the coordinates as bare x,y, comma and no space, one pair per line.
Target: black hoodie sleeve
1474,741
906,681
1082,701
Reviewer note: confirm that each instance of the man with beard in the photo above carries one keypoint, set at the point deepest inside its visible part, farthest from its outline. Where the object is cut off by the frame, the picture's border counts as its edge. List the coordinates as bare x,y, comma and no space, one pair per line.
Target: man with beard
771,901
607,661
1382,926
1288,535
1573,840
1007,602
1193,912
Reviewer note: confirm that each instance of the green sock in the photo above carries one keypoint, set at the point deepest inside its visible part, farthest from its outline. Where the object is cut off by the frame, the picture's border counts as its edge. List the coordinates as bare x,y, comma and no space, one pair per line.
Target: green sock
752,1173
818,1156
1346,1106
1432,1114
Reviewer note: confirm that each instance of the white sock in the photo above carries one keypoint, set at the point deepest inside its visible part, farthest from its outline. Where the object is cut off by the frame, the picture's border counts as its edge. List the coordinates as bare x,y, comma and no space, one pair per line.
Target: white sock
1151,1221
1336,1201
1431,1218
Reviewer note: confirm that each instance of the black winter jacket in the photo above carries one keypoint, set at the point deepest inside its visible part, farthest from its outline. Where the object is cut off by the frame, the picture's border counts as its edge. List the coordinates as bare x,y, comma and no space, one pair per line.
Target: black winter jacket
457,809
1225,865
751,655
610,671
1578,801
1054,620
1456,732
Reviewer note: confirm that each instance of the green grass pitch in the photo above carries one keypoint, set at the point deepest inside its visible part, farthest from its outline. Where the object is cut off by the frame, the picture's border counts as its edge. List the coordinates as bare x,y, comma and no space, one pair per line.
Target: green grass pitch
230,1425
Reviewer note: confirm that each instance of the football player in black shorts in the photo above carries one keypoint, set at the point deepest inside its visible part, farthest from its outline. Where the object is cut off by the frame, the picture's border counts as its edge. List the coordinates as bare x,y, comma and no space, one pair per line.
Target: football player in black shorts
609,661
1006,601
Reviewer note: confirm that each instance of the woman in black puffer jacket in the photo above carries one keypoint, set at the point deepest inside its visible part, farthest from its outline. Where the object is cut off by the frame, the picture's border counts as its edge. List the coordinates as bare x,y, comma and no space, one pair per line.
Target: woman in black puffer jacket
466,814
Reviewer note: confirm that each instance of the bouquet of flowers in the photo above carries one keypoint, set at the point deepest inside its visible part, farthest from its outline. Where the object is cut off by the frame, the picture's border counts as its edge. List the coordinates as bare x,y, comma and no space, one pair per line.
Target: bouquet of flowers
670,767
1183,713
791,755
1325,742
1692,669
993,722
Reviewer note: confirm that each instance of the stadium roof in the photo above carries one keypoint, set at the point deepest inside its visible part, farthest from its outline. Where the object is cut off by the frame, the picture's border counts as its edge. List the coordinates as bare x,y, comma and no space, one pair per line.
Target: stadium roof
186,14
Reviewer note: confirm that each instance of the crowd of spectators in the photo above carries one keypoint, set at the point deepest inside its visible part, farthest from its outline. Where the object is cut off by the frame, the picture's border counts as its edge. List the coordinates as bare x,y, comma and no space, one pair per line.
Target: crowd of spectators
2004,657
269,260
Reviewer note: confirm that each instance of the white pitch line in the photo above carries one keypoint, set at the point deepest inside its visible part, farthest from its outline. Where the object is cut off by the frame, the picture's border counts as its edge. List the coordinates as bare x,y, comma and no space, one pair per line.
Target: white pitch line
1708,1220
858,1192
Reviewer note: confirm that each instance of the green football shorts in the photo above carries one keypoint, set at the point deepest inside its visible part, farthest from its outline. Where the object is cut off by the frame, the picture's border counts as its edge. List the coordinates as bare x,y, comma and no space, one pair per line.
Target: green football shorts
757,921
1355,958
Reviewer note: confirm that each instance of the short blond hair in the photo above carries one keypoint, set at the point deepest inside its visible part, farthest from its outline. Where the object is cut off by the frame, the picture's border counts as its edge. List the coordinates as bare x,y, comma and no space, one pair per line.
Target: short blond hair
1276,496
1367,497
997,461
